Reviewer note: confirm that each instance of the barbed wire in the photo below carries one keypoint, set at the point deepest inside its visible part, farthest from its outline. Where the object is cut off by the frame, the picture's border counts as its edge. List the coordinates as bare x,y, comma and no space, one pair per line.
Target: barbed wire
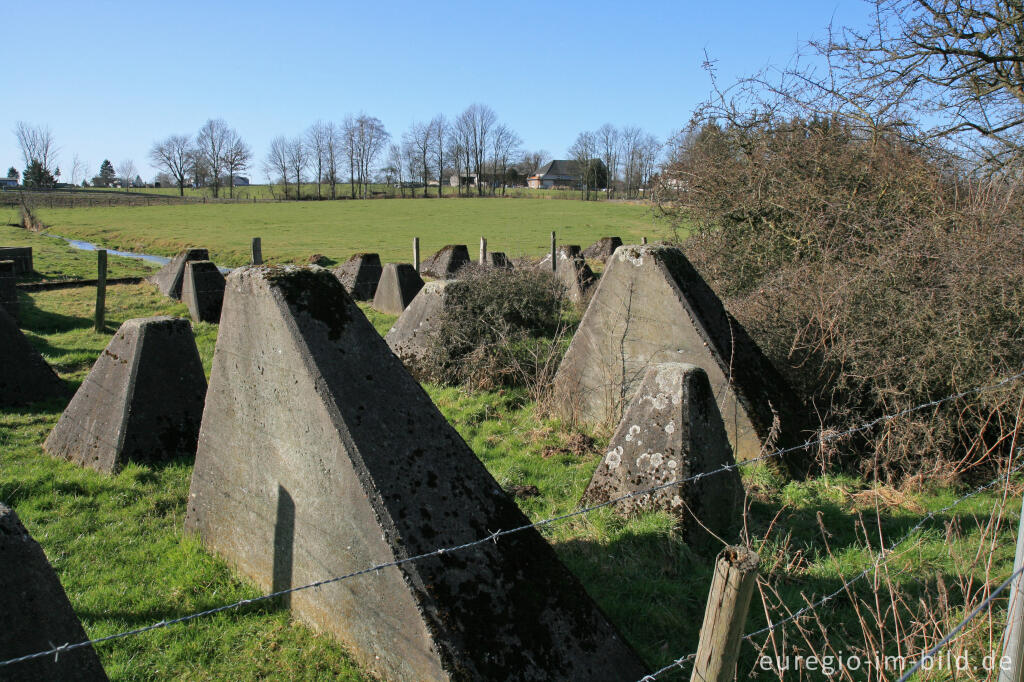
495,536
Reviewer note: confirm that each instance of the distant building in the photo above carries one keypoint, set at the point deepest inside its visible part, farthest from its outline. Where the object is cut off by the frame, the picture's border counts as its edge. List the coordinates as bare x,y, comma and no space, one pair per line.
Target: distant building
8,183
466,179
241,181
559,173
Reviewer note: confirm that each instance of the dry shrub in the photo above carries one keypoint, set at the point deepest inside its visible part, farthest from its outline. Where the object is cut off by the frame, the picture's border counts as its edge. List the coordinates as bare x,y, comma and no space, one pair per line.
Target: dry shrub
499,328
876,275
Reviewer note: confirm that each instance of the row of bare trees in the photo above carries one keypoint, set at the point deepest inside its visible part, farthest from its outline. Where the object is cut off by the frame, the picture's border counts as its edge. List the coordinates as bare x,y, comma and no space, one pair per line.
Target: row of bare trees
629,157
214,154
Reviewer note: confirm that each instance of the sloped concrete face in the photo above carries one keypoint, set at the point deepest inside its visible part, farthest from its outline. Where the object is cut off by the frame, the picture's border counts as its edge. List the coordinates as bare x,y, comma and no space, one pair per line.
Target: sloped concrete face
37,613
602,249
411,335
650,307
202,290
572,271
24,375
672,430
9,289
170,277
360,275
347,464
142,401
497,259
446,262
399,284
22,257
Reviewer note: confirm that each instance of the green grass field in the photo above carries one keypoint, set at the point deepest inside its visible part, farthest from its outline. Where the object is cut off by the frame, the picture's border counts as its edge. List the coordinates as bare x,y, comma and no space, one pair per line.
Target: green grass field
293,231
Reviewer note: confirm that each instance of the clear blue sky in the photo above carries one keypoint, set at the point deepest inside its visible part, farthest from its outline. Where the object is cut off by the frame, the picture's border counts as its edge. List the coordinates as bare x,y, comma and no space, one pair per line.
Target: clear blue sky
110,78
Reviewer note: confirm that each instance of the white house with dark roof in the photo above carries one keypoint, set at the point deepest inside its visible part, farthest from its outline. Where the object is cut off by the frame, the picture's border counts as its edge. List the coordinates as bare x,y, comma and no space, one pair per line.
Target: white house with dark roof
554,174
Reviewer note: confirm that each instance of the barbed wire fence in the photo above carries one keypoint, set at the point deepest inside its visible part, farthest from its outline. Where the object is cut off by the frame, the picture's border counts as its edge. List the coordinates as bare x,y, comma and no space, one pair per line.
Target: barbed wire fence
494,537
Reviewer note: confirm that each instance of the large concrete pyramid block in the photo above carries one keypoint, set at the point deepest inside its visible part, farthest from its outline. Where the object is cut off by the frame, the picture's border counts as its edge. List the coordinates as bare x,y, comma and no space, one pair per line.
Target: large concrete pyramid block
37,613
24,375
650,307
9,289
347,464
498,259
22,257
571,270
446,262
410,338
672,430
202,290
360,275
170,277
142,401
399,284
602,249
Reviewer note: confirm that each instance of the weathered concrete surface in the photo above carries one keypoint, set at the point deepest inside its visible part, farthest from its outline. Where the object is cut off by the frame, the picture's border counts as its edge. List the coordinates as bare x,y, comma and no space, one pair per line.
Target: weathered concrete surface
571,270
411,335
36,612
398,286
602,249
446,262
360,275
142,401
651,306
169,278
497,259
24,375
672,430
9,289
22,257
202,290
347,464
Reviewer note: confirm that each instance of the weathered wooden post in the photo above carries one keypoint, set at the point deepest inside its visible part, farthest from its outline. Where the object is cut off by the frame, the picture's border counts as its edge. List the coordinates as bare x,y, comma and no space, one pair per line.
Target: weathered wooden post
257,251
483,250
643,240
101,290
725,615
416,254
1013,637
554,264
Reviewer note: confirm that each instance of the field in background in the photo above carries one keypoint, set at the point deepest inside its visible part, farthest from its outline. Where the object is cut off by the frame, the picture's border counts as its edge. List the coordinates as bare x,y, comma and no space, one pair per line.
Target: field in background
293,231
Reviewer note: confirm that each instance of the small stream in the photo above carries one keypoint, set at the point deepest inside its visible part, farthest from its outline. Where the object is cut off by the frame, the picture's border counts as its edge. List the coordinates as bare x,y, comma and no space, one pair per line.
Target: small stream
149,258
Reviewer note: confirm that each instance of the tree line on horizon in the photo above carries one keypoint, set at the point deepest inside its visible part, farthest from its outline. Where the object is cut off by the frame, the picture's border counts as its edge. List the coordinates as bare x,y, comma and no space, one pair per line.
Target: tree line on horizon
485,155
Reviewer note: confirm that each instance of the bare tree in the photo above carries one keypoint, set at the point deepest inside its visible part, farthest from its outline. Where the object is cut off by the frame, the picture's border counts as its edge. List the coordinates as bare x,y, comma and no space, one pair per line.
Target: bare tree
530,162
505,144
173,156
349,133
317,141
333,151
439,139
237,157
477,123
212,142
127,171
78,170
583,151
37,144
298,160
417,141
276,165
608,143
631,140
393,170
369,140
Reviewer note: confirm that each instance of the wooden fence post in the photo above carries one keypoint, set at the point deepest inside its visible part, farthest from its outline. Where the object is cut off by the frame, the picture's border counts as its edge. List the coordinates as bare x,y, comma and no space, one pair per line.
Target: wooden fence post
416,253
257,251
725,615
101,290
1013,637
643,240
554,264
483,251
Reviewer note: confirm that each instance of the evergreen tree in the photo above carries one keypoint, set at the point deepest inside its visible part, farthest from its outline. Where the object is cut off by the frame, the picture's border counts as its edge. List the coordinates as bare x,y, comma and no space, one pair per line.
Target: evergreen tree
36,175
107,175
13,174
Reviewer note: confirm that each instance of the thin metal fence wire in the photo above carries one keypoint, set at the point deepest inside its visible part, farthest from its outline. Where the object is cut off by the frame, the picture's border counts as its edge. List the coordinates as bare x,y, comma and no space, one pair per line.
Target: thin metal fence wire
495,536
952,633
879,559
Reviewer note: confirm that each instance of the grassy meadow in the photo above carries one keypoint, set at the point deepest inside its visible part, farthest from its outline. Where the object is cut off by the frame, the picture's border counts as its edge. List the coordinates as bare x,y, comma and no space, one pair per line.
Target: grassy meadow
118,547
293,231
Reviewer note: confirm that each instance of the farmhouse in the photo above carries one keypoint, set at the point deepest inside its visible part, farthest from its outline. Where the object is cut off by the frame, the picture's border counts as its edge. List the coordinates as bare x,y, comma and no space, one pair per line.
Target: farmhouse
554,173
8,183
